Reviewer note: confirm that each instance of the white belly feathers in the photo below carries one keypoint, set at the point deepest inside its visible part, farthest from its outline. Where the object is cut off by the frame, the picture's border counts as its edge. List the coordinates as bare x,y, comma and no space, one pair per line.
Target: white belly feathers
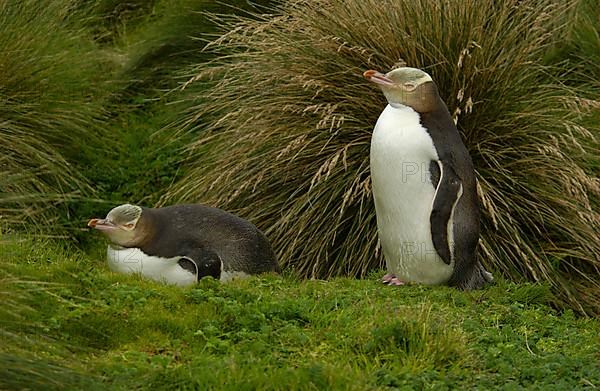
133,260
401,152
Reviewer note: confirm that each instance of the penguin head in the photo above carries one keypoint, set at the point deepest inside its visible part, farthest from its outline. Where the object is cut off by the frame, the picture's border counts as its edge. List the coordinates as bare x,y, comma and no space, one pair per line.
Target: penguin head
120,225
406,86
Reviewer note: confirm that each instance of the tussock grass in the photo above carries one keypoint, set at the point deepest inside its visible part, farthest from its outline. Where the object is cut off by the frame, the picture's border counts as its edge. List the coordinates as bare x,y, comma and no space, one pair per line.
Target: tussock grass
83,87
579,47
36,180
50,71
155,39
286,121
25,350
152,42
412,339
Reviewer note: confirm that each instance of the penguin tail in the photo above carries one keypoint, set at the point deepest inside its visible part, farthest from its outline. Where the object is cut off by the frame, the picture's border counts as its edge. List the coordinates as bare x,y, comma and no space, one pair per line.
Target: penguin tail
477,279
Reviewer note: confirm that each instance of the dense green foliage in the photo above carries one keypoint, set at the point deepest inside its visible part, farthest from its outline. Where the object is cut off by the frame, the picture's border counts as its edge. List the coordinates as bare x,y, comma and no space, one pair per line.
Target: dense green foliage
88,328
286,123
83,87
49,71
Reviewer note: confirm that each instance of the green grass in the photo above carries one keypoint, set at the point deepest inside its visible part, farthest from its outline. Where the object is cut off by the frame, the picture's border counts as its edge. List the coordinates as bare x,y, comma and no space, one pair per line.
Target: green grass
50,70
154,42
88,328
83,95
156,39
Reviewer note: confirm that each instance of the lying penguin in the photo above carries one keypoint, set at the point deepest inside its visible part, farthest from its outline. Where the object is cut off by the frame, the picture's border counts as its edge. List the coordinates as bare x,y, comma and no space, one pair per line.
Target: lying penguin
181,244
424,186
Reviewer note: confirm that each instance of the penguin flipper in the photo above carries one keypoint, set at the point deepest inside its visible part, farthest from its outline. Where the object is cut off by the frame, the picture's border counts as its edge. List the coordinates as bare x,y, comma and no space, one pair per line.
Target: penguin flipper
447,194
188,264
207,263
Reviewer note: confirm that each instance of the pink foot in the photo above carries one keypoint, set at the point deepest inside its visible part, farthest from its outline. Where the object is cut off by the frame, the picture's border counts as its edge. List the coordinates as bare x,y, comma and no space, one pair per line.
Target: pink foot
391,279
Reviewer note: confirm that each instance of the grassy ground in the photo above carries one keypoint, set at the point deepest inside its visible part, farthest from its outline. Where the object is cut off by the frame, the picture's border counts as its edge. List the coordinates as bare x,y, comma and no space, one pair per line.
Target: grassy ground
83,327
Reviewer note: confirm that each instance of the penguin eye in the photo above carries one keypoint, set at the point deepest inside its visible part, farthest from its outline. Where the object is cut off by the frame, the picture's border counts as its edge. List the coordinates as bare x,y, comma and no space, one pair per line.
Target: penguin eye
129,225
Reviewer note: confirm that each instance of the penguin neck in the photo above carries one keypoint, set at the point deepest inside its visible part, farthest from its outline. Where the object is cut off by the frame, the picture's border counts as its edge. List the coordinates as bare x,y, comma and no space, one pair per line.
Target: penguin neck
400,106
147,228
430,106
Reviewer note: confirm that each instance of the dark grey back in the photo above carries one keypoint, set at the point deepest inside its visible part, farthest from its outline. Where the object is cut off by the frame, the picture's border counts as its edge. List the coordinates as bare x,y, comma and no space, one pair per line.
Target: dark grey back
186,230
451,150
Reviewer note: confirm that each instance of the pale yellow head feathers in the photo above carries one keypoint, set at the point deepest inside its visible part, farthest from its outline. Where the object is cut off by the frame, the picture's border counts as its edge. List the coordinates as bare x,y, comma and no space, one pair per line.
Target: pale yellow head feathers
120,225
406,86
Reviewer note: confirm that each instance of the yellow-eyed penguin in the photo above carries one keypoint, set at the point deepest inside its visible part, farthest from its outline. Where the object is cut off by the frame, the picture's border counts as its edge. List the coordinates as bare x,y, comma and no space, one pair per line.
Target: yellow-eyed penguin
424,186
182,243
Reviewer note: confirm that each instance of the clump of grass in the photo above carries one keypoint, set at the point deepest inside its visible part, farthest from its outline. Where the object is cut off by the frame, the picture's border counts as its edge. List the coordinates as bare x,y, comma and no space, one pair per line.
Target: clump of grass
50,69
22,363
286,121
156,39
415,340
153,41
109,20
579,48
37,180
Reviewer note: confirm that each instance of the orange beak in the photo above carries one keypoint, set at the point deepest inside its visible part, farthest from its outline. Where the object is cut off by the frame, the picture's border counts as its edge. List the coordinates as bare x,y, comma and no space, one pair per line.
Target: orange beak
377,78
101,224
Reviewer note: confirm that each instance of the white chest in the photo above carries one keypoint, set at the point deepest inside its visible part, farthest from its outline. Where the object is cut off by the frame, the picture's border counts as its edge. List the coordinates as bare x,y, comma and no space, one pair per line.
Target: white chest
133,260
401,153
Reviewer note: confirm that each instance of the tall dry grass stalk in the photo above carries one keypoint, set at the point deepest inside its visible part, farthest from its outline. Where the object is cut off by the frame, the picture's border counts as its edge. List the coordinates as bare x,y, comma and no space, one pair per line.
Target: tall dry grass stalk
285,120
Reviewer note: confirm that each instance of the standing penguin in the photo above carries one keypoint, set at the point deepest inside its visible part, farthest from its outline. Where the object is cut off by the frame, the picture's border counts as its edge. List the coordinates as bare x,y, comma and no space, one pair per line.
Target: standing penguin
424,186
181,244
